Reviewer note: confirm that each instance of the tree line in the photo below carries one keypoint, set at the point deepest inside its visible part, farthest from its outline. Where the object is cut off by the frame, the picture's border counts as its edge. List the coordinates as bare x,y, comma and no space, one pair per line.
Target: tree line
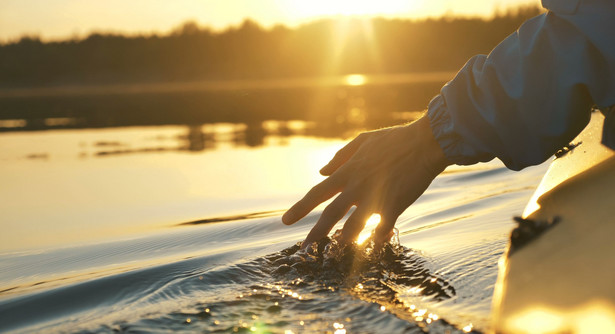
249,51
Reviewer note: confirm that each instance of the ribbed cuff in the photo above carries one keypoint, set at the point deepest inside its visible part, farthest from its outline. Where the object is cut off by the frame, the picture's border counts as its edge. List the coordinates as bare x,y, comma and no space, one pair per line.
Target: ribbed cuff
455,148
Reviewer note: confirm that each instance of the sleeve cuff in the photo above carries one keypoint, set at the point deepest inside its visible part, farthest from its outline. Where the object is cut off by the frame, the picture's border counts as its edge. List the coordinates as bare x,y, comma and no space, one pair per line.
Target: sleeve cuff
455,148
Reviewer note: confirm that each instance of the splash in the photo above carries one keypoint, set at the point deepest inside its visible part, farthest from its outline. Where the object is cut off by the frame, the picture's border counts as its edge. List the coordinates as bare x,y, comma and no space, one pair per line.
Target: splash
376,268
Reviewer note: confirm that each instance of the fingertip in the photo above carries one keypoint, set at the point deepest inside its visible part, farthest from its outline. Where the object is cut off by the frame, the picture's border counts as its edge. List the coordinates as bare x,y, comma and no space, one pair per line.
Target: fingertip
326,167
287,218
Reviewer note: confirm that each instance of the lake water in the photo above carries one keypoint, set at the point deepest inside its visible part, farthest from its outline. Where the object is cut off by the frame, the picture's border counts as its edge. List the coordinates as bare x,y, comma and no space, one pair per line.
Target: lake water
176,228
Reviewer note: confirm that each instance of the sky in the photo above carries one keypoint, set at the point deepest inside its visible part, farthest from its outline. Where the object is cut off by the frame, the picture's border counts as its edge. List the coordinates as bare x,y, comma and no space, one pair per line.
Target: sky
61,19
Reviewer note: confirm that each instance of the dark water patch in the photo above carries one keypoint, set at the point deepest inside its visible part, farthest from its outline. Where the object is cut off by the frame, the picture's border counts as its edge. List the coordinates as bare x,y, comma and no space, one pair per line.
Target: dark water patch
159,149
254,215
39,156
109,143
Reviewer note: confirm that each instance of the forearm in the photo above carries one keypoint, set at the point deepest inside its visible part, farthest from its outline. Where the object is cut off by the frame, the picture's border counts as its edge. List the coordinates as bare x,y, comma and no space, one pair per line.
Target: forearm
530,96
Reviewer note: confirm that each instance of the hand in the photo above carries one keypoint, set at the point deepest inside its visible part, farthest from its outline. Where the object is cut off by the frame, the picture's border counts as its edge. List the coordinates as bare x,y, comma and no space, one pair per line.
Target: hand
382,172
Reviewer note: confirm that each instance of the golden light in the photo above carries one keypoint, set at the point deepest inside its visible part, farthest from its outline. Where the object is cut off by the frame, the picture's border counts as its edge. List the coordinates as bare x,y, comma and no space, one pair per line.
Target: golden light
355,79
538,320
347,29
597,316
355,7
371,223
420,313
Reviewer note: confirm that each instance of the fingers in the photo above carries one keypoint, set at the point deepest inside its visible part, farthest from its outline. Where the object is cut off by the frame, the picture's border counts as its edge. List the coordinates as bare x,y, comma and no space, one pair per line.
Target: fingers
318,194
384,230
355,224
329,217
343,155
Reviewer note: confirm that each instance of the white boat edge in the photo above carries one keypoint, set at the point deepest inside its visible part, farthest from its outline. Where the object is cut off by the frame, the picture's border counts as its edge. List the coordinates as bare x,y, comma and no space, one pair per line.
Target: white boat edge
563,280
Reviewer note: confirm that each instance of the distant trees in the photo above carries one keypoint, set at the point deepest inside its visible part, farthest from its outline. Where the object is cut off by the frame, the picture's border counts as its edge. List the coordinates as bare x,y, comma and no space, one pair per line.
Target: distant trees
191,52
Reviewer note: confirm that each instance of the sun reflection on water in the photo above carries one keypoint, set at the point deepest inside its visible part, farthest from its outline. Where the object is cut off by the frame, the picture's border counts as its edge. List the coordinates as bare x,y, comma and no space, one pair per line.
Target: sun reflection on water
355,79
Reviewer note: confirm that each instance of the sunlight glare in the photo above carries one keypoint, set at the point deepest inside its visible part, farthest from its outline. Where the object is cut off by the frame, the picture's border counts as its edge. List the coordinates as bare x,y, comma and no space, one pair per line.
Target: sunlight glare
596,316
538,320
371,223
346,30
355,79
354,7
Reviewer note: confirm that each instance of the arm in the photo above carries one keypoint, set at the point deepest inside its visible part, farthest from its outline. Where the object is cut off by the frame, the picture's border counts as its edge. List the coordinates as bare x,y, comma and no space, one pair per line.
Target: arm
532,94
521,103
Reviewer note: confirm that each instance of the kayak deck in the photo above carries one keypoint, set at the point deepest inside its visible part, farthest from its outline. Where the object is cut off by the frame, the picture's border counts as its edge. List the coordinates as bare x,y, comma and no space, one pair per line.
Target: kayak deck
563,279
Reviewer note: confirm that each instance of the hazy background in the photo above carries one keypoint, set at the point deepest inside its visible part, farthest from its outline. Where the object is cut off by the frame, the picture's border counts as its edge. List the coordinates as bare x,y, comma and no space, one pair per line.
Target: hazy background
70,64
141,114
62,19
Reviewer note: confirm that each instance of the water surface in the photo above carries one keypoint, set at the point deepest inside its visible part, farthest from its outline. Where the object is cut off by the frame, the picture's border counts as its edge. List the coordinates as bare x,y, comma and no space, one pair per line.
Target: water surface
176,228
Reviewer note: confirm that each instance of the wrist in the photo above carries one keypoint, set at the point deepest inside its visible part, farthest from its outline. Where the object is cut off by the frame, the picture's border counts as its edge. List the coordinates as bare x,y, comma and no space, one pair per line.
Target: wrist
433,154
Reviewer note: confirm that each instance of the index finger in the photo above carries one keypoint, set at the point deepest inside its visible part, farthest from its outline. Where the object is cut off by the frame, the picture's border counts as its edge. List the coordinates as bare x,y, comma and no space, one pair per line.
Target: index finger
318,194
343,155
